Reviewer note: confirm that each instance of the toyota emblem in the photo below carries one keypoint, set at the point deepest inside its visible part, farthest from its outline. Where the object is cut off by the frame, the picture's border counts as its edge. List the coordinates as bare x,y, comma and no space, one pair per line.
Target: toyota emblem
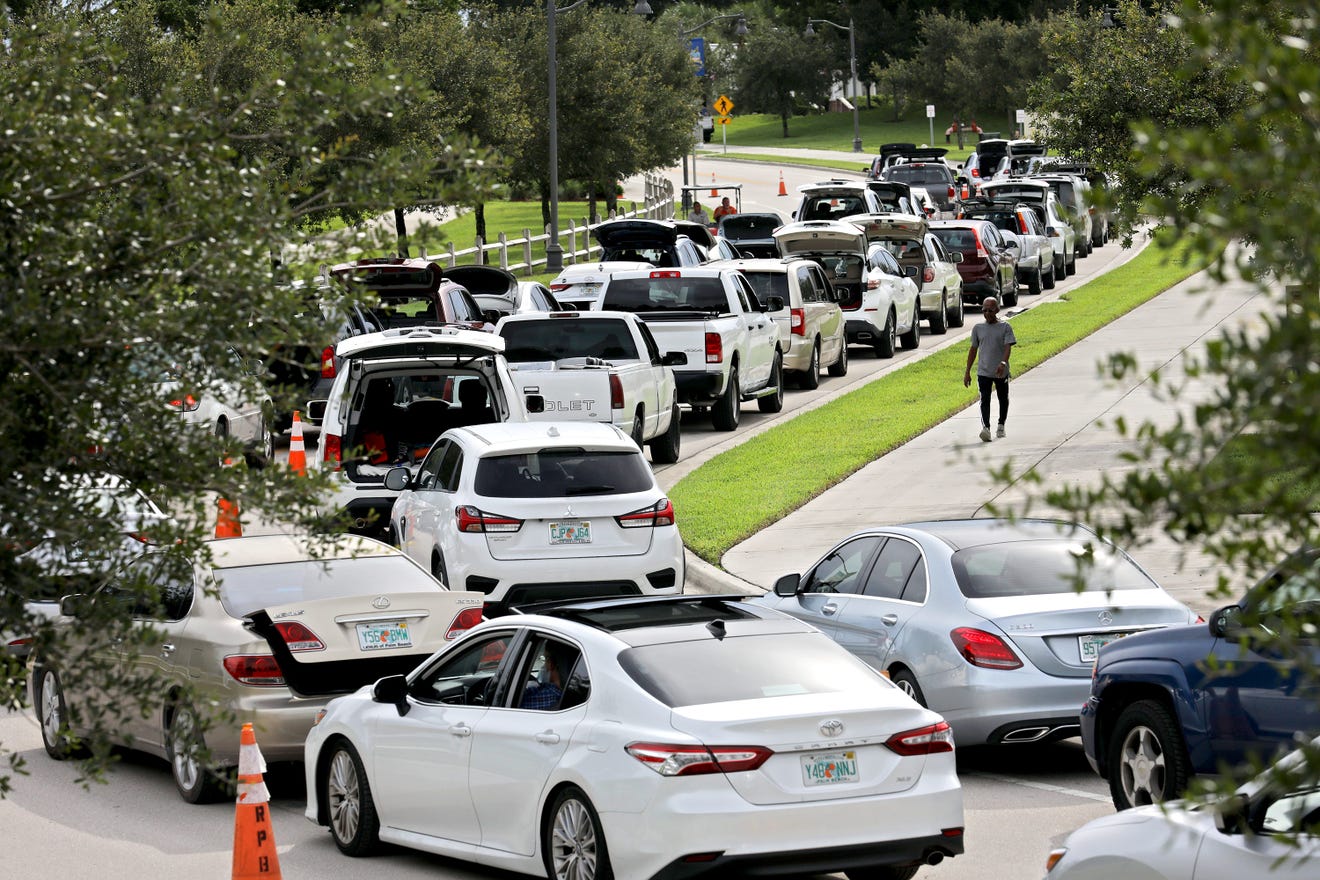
1106,618
833,727
380,602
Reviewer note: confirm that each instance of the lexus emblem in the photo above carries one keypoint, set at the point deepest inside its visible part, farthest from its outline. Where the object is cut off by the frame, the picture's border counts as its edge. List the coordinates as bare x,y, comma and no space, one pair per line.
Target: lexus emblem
833,727
380,602
1106,618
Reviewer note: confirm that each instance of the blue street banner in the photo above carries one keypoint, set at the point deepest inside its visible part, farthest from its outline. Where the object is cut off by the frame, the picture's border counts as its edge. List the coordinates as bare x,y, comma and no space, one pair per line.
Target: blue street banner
697,52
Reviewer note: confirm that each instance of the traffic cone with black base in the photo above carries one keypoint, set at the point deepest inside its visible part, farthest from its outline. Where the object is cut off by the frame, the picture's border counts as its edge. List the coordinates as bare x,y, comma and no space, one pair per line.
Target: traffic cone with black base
255,857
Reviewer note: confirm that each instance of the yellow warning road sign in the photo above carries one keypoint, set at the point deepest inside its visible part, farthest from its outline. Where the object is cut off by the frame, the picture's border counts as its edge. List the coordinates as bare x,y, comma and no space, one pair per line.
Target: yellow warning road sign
723,105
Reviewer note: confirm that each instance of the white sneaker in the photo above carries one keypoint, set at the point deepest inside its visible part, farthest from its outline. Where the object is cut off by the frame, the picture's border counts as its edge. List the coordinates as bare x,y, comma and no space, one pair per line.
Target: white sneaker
985,434
1000,433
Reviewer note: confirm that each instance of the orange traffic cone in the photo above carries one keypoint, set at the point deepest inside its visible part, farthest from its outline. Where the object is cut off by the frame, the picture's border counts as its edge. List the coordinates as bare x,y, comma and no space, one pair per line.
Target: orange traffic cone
297,451
255,855
227,524
713,191
782,190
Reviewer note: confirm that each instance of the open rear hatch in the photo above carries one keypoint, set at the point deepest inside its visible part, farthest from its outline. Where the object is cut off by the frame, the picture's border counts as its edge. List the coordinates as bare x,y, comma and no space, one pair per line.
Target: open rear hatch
335,646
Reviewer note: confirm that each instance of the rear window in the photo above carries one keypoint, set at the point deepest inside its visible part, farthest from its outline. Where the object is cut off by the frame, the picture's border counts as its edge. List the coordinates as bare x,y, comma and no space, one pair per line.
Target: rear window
832,207
566,338
557,473
1038,568
919,175
956,239
660,294
248,588
739,227
768,284
693,673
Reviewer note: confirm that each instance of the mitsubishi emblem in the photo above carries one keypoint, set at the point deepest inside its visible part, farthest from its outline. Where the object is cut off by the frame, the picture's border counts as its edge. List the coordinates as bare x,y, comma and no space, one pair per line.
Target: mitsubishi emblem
380,602
833,727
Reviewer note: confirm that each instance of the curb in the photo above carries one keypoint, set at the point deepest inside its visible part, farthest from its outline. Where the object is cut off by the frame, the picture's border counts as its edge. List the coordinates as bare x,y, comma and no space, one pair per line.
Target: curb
702,577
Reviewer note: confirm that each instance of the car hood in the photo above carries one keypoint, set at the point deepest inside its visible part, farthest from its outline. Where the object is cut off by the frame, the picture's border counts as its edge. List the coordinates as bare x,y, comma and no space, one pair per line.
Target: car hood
817,237
881,227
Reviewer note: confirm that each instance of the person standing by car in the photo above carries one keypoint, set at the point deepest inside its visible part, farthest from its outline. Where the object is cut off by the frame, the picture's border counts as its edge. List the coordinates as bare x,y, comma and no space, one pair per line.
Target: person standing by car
724,210
993,341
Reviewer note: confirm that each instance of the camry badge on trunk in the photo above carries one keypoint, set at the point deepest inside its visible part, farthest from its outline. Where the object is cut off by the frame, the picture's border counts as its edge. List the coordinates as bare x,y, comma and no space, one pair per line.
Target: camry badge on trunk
833,727
380,602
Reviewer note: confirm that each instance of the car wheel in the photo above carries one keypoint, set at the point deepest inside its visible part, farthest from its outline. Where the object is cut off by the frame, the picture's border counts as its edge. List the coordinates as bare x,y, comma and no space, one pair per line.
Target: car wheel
809,378
939,321
726,412
53,714
888,336
197,782
665,448
1010,293
438,569
912,338
882,872
773,403
1036,283
1050,281
1072,264
347,797
907,683
1148,760
263,451
573,842
840,366
1060,268
638,432
959,316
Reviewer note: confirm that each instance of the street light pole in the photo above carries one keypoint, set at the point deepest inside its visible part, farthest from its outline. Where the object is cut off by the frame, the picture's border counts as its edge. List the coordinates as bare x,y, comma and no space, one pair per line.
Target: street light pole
852,68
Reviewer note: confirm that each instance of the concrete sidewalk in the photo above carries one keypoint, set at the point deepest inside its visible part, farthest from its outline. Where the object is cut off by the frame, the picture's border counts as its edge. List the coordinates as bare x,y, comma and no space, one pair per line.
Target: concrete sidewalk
1059,424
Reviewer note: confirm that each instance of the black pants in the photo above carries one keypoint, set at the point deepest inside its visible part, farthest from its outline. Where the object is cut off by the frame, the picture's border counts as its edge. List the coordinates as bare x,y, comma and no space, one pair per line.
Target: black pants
1001,391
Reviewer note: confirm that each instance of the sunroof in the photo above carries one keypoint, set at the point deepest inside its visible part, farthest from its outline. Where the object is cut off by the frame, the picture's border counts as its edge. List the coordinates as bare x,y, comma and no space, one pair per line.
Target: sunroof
620,614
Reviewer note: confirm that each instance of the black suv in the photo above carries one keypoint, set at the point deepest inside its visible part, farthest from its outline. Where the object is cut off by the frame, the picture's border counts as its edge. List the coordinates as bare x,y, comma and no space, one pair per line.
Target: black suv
925,167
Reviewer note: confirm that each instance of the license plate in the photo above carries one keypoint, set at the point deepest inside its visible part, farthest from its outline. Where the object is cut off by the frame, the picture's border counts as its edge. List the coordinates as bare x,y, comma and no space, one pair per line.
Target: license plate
384,635
833,769
577,531
1090,646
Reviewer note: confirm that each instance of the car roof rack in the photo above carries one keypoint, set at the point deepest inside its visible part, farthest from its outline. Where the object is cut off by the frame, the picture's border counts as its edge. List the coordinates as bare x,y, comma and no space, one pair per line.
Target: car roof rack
616,613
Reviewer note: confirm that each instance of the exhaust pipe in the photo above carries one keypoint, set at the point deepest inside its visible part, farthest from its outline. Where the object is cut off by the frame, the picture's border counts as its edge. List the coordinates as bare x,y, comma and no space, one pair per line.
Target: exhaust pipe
933,856
1026,735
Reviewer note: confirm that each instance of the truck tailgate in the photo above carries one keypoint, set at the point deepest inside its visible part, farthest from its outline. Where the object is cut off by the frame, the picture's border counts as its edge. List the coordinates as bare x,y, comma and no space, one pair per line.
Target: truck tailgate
575,393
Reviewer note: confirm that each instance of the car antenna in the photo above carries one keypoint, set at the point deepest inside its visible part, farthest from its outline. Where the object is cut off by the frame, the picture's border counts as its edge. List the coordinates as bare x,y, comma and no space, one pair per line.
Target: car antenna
716,628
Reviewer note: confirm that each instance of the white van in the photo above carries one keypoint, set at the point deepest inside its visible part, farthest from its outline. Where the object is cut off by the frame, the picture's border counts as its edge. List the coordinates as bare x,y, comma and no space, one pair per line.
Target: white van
394,394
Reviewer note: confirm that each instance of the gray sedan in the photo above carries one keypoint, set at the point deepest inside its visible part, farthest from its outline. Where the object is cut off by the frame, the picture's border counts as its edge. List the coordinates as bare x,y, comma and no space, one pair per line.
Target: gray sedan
995,624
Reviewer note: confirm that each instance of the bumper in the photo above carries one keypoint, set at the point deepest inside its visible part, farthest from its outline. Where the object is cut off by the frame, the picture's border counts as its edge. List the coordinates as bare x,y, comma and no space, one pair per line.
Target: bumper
280,720
978,289
862,331
1091,745
701,389
994,706
798,357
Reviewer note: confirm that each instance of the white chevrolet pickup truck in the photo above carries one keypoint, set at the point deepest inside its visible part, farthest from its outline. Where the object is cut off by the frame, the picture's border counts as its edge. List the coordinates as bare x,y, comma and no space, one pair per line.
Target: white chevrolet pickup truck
712,315
596,366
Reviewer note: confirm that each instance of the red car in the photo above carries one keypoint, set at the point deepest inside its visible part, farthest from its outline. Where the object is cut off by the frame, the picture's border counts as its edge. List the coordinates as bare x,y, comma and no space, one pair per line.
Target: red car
989,261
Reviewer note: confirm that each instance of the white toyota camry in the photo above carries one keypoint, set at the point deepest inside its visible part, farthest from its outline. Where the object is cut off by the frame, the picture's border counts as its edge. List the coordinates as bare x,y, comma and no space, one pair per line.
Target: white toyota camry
684,736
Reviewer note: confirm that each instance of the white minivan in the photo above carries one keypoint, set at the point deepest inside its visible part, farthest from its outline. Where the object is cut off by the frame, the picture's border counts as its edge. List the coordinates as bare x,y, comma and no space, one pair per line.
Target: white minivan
394,394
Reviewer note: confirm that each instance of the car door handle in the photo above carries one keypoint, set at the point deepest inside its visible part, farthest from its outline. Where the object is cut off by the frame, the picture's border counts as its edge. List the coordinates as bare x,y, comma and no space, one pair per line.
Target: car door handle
460,730
548,738
166,649
828,608
889,619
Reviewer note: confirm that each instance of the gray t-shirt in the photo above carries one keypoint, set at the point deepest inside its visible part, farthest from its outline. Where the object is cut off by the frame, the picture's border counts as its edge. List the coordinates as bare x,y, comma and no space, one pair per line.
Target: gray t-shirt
991,340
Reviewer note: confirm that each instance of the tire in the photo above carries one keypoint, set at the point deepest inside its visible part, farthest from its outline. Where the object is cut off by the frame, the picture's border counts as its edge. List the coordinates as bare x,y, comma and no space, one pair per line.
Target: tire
1050,279
264,451
939,322
907,683
773,403
839,368
53,714
1148,760
665,448
1072,265
888,338
883,872
638,431
809,378
726,412
912,338
959,317
1011,294
438,568
346,794
1036,283
1060,269
197,782
572,841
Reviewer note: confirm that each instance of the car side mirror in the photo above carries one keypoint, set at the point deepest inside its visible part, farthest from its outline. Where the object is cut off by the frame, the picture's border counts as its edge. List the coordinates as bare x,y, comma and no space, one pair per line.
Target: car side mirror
956,257
490,316
1230,814
73,604
1224,620
535,403
774,304
674,359
316,410
788,585
910,271
1011,243
397,479
392,689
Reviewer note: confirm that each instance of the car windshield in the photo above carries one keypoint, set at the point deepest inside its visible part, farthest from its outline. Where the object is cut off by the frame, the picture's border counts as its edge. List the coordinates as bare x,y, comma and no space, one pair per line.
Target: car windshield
1038,568
693,673
558,338
674,293
561,473
248,588
1295,584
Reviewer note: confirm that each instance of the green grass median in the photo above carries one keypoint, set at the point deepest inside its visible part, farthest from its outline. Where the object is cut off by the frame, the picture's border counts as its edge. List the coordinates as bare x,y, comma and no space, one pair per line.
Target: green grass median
743,490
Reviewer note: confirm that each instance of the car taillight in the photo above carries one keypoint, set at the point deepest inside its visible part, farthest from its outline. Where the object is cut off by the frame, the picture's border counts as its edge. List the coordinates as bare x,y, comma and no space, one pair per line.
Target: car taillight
953,193
922,741
298,637
666,273
928,274
616,392
976,172
331,450
471,519
980,248
464,621
328,362
1022,224
20,643
556,286
797,322
659,514
187,403
714,348
254,669
984,649
689,760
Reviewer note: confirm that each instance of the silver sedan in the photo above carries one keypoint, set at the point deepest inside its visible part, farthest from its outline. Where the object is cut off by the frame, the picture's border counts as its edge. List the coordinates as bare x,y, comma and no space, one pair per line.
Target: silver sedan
995,624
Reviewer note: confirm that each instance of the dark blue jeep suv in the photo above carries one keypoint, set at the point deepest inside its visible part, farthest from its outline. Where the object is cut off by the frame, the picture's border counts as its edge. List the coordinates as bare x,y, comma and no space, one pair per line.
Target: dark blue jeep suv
1202,699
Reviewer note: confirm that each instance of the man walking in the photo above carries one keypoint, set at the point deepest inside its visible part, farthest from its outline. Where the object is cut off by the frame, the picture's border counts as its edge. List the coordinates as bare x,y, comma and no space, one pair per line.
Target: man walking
993,340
